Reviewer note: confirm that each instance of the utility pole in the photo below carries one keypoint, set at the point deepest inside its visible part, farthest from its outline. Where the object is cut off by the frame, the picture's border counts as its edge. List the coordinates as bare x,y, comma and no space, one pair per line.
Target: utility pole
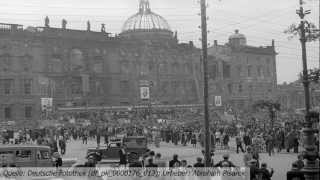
311,171
205,76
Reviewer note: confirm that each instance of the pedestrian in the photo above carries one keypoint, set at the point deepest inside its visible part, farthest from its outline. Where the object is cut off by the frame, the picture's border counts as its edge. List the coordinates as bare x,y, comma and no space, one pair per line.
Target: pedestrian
151,164
254,170
226,141
264,173
239,144
85,137
194,140
199,163
225,162
123,156
159,161
247,157
270,144
98,138
295,173
300,162
174,161
184,163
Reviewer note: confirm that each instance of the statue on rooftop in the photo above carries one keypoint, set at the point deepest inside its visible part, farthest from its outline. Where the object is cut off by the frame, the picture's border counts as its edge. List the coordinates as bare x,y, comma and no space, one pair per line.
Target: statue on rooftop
103,28
88,26
64,24
47,22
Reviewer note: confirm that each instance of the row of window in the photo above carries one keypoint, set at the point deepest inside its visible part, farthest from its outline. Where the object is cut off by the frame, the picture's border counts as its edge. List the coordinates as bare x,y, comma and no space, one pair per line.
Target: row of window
126,67
8,112
239,88
226,72
7,86
163,86
7,63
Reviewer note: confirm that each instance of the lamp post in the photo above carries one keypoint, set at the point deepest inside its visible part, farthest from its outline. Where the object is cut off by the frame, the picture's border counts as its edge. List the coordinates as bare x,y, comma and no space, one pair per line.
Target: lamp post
205,74
311,169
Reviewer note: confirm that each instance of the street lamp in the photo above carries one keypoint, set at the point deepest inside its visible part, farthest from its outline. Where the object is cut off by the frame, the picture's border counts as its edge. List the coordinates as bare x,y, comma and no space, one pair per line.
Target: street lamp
311,168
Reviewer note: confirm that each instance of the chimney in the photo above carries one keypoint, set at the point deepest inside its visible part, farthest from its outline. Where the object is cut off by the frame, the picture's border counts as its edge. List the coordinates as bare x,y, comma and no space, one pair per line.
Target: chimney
191,44
273,44
215,43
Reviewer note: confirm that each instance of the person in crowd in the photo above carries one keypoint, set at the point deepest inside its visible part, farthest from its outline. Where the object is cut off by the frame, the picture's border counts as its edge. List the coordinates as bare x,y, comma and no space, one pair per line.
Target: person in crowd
123,156
91,162
159,161
239,144
264,173
256,156
151,164
225,162
212,158
247,157
226,141
58,161
270,144
85,138
63,146
151,155
194,140
199,163
174,161
295,173
300,162
98,138
136,164
254,170
184,163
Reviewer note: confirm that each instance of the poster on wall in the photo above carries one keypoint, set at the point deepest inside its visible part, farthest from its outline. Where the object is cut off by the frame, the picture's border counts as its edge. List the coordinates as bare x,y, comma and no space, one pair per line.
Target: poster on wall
145,93
46,104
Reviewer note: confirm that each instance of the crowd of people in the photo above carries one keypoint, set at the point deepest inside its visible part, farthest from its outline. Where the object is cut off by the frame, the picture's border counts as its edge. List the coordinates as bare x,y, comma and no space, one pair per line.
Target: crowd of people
249,140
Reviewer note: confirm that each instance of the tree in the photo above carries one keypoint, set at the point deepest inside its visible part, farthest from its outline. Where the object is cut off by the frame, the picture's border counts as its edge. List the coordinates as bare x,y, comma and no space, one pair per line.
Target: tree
312,32
270,106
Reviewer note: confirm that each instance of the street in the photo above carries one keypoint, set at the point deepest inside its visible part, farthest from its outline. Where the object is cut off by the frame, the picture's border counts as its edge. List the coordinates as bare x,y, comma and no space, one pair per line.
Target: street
280,162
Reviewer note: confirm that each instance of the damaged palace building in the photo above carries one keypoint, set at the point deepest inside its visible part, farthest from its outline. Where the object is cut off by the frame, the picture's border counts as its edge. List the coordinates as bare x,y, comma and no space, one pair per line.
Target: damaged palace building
83,68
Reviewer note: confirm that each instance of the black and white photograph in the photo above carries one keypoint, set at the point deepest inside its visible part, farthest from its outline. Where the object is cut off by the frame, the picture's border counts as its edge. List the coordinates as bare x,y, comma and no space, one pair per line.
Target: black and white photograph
160,89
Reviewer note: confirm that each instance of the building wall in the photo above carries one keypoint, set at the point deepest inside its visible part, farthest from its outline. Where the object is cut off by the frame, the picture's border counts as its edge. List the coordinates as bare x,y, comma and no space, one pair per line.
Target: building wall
80,68
242,75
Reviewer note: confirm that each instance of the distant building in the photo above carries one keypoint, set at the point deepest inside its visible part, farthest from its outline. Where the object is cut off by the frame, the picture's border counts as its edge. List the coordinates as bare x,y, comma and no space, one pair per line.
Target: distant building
87,68
240,73
292,97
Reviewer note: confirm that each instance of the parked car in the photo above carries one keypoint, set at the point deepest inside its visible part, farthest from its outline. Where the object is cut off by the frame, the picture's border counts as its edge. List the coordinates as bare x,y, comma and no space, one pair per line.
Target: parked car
28,156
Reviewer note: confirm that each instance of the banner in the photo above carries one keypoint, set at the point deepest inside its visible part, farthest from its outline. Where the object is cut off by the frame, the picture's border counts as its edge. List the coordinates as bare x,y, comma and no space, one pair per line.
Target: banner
218,101
46,104
145,93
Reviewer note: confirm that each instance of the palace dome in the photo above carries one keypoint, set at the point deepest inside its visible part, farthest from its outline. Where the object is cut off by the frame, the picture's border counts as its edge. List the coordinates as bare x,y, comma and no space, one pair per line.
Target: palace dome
146,21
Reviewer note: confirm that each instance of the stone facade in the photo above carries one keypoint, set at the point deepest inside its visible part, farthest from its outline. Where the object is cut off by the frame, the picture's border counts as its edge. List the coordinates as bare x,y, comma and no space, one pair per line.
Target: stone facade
84,68
291,96
240,73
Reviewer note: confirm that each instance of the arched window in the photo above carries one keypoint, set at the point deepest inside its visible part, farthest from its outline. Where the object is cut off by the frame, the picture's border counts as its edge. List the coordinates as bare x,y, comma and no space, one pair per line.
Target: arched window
55,65
5,62
26,63
163,67
77,60
124,67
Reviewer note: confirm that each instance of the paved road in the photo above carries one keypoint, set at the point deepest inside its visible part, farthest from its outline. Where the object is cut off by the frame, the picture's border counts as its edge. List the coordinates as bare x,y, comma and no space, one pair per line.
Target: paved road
281,163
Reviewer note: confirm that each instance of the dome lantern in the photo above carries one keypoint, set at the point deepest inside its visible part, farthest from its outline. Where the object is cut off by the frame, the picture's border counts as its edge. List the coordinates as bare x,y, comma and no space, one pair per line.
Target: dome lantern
237,39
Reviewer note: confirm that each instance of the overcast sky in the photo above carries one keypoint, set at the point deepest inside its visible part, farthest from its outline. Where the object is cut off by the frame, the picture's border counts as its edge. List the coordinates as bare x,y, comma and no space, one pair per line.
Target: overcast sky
260,20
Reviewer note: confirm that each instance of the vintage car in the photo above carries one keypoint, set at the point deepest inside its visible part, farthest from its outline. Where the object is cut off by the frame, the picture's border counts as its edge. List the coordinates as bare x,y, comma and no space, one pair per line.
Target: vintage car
135,146
28,156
